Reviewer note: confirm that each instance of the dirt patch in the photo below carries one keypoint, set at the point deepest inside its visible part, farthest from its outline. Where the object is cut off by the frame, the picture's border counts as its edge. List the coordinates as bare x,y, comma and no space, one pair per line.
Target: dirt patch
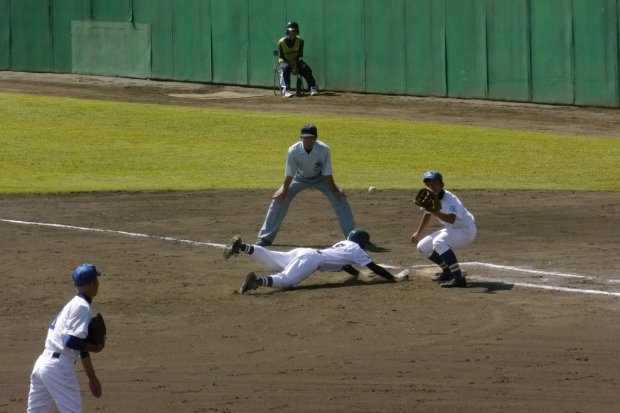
534,331
566,120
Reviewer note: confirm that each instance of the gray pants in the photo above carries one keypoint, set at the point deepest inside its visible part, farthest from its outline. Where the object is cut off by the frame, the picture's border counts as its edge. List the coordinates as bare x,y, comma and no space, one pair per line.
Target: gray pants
279,207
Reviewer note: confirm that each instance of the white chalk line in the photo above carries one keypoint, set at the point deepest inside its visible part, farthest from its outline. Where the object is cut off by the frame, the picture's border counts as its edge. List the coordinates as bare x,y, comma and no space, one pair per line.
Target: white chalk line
472,263
111,231
518,269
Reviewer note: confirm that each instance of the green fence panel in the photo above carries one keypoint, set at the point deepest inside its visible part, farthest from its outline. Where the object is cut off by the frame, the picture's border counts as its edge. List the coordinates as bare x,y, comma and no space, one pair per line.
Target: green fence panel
30,36
192,40
266,27
158,15
546,51
309,14
596,52
63,12
425,50
111,10
5,34
344,48
508,48
384,39
551,40
96,48
229,19
466,48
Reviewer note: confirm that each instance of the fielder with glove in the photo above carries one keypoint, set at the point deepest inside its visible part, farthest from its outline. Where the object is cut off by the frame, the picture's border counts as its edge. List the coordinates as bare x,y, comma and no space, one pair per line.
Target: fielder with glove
459,229
69,336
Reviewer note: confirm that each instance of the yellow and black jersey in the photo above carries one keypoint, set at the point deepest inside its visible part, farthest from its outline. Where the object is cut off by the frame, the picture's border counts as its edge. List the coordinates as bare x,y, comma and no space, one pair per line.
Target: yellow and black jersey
291,50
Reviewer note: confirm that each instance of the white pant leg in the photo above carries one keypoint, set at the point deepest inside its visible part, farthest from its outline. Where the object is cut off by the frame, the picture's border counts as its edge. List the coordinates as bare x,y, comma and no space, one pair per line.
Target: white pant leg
58,378
298,270
39,399
276,260
444,240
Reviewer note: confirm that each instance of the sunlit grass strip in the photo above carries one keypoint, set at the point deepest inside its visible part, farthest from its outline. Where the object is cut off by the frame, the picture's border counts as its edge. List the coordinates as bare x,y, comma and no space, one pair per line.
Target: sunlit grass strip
52,144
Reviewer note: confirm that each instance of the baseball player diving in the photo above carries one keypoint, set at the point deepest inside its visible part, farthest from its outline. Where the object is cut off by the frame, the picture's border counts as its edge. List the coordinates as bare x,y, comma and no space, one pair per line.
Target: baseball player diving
459,230
296,265
53,377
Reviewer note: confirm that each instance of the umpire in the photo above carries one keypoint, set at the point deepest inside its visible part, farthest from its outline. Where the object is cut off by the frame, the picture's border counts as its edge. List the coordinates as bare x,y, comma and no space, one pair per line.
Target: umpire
308,165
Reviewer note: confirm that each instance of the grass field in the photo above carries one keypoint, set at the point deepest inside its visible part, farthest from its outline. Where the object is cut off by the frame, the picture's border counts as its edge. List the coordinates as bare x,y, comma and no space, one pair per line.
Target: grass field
65,145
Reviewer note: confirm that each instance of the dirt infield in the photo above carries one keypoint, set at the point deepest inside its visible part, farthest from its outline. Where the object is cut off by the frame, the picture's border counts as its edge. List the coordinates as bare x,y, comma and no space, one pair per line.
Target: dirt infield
536,329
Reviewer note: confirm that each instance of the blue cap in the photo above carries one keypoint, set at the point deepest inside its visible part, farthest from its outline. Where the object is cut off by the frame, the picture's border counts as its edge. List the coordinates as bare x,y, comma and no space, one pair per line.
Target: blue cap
309,131
84,274
432,176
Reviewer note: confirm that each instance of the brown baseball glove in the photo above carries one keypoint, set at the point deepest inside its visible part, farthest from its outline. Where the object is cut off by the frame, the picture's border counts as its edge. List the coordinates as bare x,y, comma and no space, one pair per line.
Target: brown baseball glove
428,200
97,330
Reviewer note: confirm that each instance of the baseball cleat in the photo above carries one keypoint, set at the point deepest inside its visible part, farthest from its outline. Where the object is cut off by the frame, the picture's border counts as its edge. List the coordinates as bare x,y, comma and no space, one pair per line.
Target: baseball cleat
232,248
250,283
454,282
442,276
287,94
314,91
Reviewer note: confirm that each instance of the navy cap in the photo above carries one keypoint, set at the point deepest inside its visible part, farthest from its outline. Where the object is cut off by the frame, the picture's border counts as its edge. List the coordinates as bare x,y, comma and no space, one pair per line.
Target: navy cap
84,274
432,176
309,131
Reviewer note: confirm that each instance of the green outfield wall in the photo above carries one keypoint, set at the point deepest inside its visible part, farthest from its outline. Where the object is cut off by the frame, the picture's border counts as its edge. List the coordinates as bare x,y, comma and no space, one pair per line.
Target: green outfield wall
547,51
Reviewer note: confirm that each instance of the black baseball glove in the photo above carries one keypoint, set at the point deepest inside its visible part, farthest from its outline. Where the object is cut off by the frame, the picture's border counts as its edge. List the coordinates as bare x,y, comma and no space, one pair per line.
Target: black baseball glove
428,200
96,330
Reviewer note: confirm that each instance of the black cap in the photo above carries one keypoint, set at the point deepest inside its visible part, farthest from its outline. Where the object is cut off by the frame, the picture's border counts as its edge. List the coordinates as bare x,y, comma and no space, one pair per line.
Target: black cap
309,131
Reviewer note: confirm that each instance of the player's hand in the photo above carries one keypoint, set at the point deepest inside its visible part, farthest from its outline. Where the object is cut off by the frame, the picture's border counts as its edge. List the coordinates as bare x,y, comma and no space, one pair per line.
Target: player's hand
95,386
415,237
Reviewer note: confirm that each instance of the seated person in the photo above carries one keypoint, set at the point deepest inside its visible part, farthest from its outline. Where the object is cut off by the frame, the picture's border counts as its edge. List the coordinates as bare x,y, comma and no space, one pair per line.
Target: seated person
291,50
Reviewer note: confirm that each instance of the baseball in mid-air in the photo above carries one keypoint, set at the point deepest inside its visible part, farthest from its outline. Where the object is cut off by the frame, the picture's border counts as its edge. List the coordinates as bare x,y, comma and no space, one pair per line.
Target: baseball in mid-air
372,190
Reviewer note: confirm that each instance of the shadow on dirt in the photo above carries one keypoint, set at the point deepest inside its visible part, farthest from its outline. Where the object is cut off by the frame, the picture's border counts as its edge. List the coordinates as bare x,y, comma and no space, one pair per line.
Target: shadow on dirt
490,286
352,282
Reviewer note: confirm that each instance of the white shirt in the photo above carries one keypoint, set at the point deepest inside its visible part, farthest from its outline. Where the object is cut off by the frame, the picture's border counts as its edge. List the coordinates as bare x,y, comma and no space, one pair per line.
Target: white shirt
73,320
344,253
308,165
450,204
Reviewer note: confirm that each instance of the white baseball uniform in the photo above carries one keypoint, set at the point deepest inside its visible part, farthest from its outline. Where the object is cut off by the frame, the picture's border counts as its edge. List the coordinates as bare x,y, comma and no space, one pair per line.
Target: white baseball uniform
458,234
53,377
297,264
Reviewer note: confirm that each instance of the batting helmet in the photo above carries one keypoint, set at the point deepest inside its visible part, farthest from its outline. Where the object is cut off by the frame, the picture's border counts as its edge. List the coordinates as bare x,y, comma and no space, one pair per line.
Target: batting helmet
360,237
292,26
432,176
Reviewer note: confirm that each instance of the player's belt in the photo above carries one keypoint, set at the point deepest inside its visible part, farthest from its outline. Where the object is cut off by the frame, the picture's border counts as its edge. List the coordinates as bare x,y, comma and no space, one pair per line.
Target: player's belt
319,251
55,355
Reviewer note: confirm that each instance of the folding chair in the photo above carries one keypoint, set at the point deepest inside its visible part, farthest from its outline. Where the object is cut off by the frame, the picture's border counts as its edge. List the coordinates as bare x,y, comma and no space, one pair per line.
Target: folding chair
276,77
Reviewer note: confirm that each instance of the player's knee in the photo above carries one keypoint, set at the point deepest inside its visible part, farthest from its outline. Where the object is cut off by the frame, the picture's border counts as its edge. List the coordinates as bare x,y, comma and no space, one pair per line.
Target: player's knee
440,246
423,249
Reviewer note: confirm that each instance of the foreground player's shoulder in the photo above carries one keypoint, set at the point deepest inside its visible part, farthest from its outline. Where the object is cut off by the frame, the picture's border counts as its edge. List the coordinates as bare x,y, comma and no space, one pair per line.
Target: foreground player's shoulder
450,197
296,147
321,144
